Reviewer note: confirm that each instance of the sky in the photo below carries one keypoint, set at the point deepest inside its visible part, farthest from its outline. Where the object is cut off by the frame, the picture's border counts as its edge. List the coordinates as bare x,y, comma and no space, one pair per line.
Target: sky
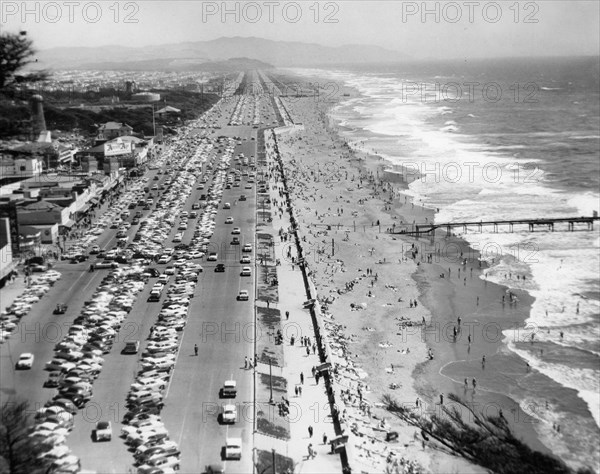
445,29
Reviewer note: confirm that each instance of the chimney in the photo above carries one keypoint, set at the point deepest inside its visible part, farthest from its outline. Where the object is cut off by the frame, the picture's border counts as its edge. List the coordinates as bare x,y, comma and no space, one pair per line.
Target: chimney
38,122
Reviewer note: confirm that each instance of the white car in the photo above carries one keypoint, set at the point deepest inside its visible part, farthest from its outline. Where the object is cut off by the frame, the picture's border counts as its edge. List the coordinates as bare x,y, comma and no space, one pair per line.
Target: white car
229,220
212,257
233,448
236,230
245,259
229,414
25,361
246,271
243,295
148,384
171,462
103,431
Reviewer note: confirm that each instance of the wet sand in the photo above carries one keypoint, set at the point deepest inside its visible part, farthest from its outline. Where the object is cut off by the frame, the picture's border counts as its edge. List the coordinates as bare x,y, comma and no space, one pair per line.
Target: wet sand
339,197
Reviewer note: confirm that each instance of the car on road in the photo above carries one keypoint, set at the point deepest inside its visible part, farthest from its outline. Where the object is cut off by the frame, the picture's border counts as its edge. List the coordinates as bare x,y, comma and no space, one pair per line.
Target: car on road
247,248
220,268
61,308
246,271
95,249
229,389
235,241
164,259
229,220
25,361
243,295
233,448
227,206
103,431
229,414
236,231
212,257
243,197
245,259
131,347
106,264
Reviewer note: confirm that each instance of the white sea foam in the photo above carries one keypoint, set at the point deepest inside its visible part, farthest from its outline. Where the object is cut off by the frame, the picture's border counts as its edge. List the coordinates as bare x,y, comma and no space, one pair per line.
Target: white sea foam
584,381
475,181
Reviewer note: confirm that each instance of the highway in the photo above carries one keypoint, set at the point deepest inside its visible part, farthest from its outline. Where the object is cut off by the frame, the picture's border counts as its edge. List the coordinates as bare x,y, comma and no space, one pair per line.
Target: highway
221,326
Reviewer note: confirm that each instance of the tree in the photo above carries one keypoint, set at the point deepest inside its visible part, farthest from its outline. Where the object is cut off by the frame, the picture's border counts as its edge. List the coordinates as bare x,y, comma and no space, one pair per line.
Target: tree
487,441
16,51
18,452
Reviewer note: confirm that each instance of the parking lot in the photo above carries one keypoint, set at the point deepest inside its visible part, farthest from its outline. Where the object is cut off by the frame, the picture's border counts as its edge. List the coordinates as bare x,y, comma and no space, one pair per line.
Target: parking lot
193,332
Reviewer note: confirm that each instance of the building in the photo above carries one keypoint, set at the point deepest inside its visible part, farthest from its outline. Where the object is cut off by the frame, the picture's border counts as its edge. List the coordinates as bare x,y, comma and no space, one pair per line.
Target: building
111,130
167,111
7,265
17,168
126,151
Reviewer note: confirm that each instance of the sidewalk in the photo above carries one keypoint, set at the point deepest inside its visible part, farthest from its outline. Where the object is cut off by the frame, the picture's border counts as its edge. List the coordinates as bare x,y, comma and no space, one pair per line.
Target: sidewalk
311,408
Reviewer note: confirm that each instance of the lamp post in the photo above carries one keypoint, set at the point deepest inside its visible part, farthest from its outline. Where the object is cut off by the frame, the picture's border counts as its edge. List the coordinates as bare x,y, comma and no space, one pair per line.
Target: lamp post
270,383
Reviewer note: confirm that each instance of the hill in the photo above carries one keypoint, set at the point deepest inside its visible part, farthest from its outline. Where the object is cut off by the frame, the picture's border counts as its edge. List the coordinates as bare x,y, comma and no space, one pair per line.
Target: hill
214,54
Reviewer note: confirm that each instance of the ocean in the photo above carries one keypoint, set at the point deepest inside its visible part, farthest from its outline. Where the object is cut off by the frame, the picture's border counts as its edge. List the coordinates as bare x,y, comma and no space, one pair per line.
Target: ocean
505,139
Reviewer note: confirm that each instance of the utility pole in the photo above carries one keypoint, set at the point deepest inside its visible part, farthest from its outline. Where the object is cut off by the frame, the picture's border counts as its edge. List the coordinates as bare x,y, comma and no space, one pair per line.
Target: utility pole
271,388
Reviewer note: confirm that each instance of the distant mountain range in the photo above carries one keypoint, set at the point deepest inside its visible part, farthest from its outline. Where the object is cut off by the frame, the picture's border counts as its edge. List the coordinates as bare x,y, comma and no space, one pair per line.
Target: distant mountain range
214,55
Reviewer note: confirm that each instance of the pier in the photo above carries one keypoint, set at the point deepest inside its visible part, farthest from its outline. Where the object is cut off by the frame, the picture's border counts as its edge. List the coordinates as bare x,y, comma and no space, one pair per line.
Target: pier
569,224
558,224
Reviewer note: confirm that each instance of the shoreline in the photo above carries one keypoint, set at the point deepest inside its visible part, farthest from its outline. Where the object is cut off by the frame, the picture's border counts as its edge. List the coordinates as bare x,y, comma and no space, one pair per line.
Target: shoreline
430,289
534,419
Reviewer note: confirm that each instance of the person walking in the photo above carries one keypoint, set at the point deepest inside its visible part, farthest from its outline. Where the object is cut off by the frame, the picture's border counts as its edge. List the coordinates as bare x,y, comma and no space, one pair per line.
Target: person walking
296,390
324,438
246,362
302,378
307,351
196,349
310,431
287,315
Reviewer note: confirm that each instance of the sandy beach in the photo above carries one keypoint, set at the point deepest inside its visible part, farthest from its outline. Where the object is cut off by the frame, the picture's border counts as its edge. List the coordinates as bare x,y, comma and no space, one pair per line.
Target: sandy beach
404,315
364,278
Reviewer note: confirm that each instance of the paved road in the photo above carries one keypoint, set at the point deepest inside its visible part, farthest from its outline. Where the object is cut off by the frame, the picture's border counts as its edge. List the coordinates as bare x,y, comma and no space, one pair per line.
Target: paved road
220,325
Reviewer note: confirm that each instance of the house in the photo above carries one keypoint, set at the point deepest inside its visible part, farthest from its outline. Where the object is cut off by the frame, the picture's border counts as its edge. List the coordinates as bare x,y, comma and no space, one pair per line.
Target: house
166,111
111,130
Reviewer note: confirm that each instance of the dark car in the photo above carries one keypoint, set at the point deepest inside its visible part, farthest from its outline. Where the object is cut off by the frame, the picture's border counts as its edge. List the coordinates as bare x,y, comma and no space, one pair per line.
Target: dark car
153,272
61,308
54,379
220,267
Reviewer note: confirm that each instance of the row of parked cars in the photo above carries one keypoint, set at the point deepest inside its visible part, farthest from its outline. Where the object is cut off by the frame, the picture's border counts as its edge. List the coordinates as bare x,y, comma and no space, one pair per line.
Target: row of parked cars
11,316
78,357
145,432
